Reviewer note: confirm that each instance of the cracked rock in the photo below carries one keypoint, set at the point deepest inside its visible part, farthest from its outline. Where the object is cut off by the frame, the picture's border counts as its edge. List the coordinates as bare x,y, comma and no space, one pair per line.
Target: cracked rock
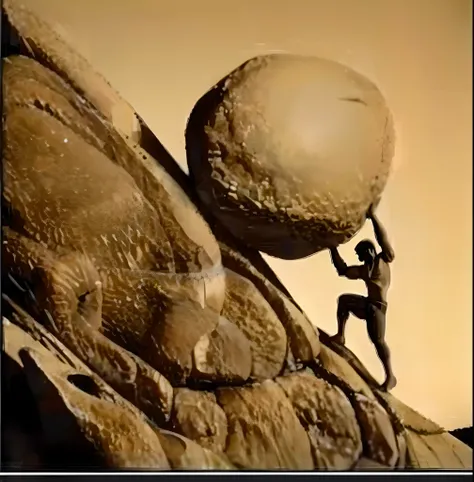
335,364
268,118
328,418
437,451
380,443
264,431
245,306
197,415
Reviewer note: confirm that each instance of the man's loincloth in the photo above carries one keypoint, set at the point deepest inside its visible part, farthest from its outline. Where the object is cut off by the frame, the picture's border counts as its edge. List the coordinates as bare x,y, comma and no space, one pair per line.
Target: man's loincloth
380,305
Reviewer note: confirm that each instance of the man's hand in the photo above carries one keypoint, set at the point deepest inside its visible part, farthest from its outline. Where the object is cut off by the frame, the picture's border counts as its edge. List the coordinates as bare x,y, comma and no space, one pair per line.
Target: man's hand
371,211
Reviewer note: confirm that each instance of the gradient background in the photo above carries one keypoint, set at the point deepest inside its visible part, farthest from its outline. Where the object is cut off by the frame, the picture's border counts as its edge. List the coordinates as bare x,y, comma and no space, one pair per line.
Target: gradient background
162,55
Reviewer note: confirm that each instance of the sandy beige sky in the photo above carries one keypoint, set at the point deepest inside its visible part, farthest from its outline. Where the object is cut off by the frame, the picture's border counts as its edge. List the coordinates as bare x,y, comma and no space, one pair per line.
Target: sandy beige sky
162,55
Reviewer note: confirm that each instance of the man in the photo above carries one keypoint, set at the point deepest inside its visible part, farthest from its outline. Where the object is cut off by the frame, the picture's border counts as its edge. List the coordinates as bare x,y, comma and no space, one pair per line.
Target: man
375,272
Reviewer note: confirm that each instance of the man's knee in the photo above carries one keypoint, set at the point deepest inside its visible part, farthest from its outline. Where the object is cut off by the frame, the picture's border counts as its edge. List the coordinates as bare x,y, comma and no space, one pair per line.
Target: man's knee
344,301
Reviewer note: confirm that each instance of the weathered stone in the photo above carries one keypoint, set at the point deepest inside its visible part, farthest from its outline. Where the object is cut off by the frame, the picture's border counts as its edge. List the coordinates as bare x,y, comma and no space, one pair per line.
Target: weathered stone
398,428
335,364
328,418
141,384
143,231
137,275
350,358
247,308
402,450
184,454
105,123
28,332
439,451
301,333
47,46
263,429
261,126
170,316
172,342
197,415
364,464
178,231
380,443
410,418
79,413
224,355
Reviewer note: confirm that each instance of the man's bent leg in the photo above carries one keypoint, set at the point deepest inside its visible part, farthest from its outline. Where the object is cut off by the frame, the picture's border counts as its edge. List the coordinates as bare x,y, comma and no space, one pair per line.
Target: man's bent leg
376,329
347,304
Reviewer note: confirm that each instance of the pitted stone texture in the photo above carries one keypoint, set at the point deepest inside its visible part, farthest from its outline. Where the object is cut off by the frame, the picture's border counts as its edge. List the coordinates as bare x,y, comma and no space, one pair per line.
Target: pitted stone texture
335,364
224,355
81,413
197,415
440,451
149,390
302,335
140,231
171,232
380,443
264,431
184,454
328,418
247,308
290,151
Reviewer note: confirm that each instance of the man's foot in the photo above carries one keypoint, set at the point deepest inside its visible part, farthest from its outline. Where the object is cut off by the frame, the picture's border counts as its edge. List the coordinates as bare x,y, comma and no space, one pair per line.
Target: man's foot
389,384
339,339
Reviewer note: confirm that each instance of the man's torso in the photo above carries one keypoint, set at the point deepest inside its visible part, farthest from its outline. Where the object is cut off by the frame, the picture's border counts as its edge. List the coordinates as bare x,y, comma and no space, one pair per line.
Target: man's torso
377,279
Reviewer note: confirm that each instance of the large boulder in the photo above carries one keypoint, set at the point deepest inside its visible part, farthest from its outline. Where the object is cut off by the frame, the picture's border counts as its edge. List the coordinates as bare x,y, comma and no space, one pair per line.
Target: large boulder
290,151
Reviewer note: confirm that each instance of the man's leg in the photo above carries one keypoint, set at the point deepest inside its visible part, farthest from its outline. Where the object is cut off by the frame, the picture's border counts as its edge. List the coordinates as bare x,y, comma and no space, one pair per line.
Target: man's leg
347,304
376,330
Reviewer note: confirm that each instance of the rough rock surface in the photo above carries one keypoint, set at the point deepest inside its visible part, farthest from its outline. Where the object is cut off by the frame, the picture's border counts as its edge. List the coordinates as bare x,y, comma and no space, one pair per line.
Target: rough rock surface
198,416
328,418
247,308
263,429
378,434
290,151
125,346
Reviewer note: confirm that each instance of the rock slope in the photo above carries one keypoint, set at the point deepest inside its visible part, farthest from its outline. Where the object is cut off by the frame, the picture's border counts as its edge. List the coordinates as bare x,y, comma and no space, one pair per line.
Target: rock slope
176,349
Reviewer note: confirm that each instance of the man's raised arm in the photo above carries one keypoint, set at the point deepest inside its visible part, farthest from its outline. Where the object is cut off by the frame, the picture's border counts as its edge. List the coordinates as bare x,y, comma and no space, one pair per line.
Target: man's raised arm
381,236
351,272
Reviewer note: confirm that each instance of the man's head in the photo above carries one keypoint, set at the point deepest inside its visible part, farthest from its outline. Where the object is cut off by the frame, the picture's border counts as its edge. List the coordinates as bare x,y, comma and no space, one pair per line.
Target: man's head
365,251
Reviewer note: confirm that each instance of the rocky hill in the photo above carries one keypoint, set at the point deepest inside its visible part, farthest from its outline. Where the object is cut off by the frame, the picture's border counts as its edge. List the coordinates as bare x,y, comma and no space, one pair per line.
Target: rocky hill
138,332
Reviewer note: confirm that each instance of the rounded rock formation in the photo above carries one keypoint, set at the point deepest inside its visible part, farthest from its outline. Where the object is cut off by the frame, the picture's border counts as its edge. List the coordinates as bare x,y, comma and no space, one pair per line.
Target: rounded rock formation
290,151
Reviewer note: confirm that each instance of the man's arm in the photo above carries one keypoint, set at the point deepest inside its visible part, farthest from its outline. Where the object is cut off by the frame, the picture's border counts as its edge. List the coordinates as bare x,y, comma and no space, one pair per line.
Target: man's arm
351,272
381,236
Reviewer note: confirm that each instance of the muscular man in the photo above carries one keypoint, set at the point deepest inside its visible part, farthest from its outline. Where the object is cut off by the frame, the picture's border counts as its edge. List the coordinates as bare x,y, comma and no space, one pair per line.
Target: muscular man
375,272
